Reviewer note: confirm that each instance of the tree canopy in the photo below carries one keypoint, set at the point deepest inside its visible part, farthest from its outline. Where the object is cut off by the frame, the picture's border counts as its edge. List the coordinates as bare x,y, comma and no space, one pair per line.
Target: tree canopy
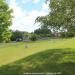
5,21
61,16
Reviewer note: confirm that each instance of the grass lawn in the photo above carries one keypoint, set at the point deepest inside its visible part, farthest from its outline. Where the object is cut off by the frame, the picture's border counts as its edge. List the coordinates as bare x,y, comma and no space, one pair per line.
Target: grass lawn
53,56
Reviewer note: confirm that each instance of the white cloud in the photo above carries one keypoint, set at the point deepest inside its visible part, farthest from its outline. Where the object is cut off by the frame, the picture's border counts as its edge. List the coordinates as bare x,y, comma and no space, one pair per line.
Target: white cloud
36,1
26,1
24,20
44,6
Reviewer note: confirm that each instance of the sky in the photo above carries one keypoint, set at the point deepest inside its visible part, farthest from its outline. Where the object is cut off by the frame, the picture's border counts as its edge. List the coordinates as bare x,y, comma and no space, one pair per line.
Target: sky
25,12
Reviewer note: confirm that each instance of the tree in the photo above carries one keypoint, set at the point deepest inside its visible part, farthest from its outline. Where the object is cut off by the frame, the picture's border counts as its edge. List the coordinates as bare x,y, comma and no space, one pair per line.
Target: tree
61,16
33,37
19,35
43,32
5,21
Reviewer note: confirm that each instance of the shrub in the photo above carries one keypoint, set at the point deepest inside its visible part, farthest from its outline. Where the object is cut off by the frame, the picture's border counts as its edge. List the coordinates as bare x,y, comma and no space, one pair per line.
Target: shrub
33,37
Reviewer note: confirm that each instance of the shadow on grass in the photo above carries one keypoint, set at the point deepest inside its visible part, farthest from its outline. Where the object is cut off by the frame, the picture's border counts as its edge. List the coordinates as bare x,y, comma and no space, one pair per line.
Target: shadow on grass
52,61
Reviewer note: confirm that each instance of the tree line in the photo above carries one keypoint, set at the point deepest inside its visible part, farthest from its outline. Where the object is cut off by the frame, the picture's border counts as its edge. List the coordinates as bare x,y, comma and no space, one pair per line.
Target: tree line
5,21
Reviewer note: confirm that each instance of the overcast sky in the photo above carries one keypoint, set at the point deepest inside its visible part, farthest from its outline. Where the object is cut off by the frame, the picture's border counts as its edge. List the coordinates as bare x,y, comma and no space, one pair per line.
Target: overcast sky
25,13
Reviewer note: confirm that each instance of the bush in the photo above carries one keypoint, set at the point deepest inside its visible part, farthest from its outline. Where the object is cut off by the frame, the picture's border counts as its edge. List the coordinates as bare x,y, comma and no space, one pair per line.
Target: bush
33,37
67,34
70,34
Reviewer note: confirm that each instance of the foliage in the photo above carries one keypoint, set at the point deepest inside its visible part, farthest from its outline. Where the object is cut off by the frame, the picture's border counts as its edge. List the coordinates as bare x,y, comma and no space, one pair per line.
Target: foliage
43,32
5,21
33,37
16,36
61,16
19,35
67,34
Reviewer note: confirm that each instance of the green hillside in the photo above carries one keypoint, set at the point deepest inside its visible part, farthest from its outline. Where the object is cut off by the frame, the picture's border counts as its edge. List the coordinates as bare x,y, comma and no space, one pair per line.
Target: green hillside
49,56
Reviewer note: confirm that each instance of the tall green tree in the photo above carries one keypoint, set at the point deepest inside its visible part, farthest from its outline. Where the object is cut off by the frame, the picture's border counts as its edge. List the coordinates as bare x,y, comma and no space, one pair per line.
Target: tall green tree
5,21
61,16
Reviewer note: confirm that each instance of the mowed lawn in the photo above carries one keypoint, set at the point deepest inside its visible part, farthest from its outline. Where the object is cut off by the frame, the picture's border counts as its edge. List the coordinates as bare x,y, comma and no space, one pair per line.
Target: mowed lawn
14,51
48,56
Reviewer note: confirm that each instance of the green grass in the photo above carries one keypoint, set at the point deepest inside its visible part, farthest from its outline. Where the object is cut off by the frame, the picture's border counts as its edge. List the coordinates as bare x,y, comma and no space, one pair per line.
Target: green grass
41,56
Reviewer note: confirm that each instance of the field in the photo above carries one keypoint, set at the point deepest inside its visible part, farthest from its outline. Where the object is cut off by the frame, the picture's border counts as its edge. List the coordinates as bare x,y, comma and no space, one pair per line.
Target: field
56,57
